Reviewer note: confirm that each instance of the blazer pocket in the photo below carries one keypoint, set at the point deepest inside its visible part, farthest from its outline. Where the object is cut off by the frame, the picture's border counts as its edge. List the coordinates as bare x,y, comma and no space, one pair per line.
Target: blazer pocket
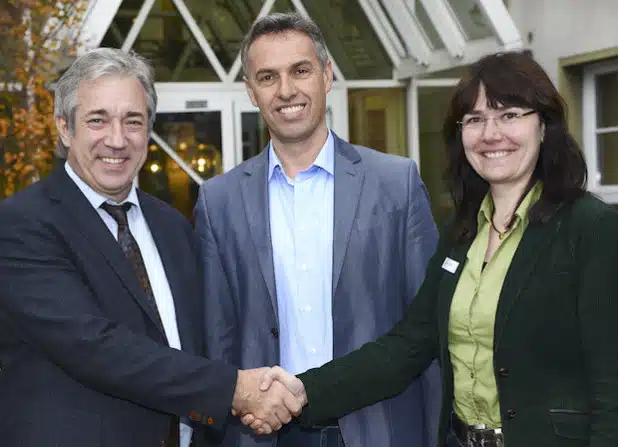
570,424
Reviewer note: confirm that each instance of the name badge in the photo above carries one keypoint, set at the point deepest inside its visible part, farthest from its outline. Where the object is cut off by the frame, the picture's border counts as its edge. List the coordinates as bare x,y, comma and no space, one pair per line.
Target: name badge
450,265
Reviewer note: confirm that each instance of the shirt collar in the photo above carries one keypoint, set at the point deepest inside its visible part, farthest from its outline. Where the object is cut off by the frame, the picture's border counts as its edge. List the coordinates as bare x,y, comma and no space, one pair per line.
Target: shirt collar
487,206
324,160
96,199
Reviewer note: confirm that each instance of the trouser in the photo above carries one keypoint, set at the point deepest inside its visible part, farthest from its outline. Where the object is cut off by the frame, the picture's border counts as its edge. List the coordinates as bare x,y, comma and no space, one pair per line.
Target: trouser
293,435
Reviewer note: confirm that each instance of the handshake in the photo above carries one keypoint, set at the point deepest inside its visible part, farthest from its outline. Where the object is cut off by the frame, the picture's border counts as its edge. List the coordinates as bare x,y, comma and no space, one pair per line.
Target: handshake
267,398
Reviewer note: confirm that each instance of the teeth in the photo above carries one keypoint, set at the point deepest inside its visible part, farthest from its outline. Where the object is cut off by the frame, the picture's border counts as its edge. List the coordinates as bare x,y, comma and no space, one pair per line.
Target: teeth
496,154
292,109
113,161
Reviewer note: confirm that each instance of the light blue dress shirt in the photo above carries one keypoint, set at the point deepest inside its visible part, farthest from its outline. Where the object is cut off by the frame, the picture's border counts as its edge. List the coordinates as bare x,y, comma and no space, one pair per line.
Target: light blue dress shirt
301,228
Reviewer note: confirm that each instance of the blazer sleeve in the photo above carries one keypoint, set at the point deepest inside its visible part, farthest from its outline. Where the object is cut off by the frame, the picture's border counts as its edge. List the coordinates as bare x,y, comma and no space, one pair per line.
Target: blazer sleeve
381,369
52,309
421,241
598,310
221,325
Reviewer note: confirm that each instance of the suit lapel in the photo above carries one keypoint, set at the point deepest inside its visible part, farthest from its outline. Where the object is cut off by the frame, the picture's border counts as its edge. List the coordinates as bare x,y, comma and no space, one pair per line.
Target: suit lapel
348,185
86,220
255,198
170,252
535,239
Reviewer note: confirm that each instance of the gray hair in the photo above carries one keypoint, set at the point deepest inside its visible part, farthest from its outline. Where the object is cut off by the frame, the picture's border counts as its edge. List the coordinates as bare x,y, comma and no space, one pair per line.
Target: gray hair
93,65
281,22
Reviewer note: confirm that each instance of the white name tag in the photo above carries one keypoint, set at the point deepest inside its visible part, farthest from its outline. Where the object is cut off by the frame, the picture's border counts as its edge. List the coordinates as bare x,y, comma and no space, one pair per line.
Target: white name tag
450,265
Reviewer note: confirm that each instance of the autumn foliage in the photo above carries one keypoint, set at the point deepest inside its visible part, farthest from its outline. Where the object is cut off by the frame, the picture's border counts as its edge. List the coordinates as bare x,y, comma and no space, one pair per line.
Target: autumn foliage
38,38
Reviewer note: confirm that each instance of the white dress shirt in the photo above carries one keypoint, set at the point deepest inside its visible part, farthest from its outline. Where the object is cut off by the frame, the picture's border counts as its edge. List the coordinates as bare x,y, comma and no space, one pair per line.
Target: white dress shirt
152,261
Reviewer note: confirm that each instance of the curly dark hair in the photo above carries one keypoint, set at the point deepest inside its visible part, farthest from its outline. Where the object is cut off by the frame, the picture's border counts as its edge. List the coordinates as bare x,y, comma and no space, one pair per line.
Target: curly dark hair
512,79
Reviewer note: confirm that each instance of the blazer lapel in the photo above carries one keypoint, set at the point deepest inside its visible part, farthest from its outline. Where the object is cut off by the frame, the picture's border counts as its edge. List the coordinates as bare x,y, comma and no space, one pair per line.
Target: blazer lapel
536,237
255,198
348,185
448,283
86,220
170,252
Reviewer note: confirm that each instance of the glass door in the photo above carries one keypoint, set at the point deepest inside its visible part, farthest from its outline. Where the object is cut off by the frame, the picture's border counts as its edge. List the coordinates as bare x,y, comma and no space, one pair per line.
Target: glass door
191,142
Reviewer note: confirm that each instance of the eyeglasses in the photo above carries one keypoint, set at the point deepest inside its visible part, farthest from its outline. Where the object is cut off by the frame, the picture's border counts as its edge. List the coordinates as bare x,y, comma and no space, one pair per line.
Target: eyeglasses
502,121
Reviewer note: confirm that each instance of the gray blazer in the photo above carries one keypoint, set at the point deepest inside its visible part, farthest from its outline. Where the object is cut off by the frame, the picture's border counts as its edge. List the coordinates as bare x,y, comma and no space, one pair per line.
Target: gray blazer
384,236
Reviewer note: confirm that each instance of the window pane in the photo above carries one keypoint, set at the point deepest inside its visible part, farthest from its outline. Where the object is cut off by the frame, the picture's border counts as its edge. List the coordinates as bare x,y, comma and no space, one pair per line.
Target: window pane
283,6
607,99
224,24
164,178
196,138
254,134
351,39
427,26
471,19
608,158
122,23
433,106
166,40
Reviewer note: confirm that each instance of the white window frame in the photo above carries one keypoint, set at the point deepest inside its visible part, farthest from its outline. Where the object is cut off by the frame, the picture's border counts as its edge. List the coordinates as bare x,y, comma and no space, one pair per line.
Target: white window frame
608,193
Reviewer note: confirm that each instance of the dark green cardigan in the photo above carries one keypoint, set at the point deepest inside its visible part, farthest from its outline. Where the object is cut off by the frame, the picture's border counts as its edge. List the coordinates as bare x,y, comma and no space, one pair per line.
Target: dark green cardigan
555,342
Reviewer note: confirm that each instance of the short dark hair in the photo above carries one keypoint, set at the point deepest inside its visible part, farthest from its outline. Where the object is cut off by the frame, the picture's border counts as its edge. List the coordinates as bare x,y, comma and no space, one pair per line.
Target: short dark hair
279,23
512,79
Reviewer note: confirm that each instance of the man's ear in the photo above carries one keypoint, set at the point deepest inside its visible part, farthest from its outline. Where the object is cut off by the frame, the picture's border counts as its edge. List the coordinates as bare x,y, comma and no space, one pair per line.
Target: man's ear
63,131
250,91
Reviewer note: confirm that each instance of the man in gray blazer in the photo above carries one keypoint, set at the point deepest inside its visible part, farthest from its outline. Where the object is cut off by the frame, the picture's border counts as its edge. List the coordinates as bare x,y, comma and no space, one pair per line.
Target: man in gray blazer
313,247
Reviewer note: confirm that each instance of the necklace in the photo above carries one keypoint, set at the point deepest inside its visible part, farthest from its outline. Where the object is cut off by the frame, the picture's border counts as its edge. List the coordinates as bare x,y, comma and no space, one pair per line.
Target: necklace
501,234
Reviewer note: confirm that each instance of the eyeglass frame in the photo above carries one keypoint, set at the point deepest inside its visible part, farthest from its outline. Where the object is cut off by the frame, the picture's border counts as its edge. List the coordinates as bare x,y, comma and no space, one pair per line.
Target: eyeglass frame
460,123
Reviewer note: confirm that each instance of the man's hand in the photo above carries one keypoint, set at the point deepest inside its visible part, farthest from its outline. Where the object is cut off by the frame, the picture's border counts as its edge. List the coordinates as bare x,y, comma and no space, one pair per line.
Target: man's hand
274,378
272,405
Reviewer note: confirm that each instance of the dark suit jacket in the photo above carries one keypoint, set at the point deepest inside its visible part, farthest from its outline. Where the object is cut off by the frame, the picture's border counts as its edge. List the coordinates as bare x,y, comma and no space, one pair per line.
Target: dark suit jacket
383,238
555,344
82,362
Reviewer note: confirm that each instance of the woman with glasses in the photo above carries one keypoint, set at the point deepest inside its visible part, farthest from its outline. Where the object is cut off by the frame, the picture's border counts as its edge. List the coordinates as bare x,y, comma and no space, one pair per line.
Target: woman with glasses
520,301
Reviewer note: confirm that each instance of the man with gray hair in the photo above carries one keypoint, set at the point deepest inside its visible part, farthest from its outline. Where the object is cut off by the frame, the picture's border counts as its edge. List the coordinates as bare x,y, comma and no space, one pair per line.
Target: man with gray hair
314,247
101,338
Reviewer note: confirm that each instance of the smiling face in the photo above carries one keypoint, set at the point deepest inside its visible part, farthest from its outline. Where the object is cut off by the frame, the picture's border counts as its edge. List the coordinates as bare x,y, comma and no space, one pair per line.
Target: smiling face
503,150
289,85
109,144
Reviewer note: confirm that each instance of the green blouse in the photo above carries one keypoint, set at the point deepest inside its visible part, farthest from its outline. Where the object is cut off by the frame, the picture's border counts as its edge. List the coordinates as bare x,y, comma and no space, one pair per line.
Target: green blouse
472,316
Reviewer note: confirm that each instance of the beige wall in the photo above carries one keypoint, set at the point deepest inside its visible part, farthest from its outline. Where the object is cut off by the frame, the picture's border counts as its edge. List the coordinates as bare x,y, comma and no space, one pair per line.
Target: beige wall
563,28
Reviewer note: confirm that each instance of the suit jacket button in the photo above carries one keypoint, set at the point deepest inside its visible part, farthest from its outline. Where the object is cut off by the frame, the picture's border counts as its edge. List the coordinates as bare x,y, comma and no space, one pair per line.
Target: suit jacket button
503,372
275,332
510,413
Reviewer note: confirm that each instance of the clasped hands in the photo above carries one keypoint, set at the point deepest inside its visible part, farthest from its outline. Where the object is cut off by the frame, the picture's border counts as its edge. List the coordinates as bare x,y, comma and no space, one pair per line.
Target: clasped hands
267,398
